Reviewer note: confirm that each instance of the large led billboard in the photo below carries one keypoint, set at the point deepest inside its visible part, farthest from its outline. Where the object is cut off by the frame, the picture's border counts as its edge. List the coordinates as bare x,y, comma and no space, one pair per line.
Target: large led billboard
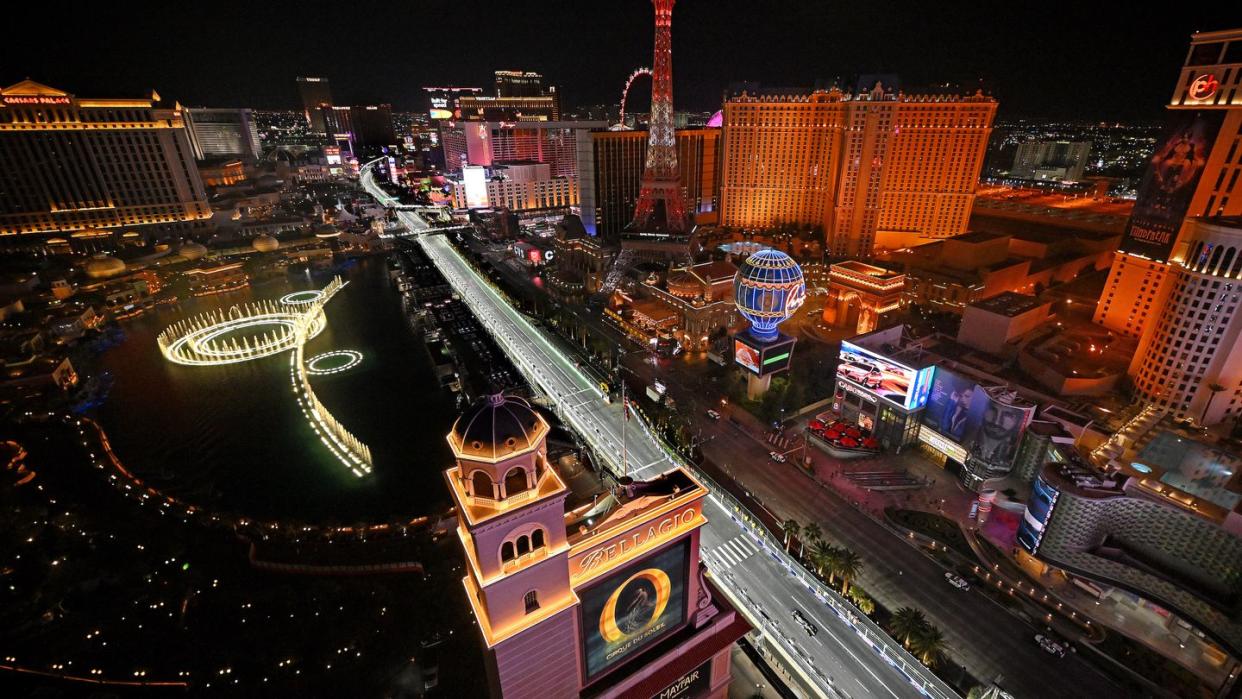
886,378
746,355
1169,184
1035,518
633,608
987,427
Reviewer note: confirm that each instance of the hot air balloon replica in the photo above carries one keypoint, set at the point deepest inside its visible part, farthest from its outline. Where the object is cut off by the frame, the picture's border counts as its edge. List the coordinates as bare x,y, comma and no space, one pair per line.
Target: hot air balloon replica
767,290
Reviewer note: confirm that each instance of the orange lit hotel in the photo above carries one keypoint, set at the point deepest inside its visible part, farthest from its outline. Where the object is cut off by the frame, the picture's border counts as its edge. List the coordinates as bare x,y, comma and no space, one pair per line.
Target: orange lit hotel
583,591
1194,172
72,167
875,170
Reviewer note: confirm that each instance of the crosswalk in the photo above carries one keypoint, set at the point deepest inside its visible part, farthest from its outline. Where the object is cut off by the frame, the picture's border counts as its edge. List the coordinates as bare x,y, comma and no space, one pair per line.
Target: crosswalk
733,551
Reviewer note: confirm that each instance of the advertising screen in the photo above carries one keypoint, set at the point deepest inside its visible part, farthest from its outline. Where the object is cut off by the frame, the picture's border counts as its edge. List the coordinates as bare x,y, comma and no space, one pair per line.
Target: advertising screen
998,429
746,355
1038,510
870,370
1169,183
634,607
961,411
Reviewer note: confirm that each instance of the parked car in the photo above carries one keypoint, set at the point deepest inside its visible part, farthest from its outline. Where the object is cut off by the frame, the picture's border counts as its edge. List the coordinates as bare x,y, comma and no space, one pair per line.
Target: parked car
713,414
777,457
957,581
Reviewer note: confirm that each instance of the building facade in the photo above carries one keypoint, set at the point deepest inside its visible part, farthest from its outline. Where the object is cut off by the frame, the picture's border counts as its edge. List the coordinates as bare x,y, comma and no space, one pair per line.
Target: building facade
1190,360
545,107
359,127
490,143
1194,171
72,166
855,165
1050,160
314,93
610,170
575,600
223,133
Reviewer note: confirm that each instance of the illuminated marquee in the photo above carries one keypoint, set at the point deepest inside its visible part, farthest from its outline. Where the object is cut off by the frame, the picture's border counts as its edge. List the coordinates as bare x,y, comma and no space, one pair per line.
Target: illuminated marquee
644,537
24,99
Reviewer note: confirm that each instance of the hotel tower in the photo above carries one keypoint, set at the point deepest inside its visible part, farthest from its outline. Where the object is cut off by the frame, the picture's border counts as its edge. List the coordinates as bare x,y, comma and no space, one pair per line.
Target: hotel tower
583,591
1193,172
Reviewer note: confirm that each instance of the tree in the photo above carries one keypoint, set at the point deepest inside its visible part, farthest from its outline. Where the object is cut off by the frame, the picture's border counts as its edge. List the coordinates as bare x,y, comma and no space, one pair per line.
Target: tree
847,566
822,555
862,600
906,623
813,532
928,644
792,529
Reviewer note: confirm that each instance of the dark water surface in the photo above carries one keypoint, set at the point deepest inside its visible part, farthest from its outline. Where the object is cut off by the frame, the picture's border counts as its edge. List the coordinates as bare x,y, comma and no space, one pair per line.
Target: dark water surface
232,437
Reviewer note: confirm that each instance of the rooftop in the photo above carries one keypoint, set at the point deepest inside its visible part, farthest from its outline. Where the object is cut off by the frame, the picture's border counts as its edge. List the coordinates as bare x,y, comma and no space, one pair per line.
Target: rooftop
1009,304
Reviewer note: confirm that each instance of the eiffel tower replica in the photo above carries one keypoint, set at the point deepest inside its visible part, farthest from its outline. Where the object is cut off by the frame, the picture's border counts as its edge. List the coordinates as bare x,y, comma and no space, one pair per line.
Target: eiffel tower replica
662,229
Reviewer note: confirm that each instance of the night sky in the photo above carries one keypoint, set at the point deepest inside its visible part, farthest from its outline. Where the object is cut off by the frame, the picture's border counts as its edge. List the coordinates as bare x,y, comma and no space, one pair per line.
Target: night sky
1060,60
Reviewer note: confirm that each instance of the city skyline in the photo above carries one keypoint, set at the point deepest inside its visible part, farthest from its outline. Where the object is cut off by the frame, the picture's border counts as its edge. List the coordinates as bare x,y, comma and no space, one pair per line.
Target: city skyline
1059,67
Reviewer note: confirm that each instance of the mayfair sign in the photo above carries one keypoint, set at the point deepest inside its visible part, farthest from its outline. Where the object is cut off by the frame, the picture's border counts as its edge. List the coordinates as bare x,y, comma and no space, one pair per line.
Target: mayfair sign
34,99
644,537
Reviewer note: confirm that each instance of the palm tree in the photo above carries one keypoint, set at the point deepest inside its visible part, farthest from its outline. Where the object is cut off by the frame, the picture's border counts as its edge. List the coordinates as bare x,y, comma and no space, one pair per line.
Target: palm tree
792,529
862,600
906,623
812,533
928,644
848,566
822,555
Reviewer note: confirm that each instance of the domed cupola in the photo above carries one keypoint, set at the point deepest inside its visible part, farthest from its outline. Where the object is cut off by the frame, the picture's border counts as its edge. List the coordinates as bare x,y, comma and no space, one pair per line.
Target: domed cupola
497,427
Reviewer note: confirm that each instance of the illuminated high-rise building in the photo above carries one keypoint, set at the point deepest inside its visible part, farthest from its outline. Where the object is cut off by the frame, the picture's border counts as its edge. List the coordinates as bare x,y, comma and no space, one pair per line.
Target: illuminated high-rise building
72,166
610,170
359,127
314,93
518,83
222,133
490,143
1192,351
578,600
1194,171
875,169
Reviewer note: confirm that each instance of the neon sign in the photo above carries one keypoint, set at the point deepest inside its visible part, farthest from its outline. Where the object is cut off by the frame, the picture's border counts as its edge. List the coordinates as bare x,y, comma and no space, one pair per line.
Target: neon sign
22,99
644,537
1203,87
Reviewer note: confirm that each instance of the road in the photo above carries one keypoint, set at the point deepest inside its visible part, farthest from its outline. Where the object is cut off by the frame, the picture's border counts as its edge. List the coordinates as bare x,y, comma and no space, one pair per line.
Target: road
846,659
989,640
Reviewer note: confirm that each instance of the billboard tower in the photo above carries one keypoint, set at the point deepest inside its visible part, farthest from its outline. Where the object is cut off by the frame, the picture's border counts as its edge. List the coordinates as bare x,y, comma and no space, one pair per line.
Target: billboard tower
661,203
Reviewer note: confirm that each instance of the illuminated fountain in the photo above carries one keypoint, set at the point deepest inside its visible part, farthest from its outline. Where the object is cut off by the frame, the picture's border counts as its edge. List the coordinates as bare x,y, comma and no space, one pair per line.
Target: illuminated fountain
211,339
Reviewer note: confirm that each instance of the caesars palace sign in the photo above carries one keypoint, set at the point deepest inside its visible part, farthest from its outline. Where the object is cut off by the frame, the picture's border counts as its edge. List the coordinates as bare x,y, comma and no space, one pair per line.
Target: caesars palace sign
644,537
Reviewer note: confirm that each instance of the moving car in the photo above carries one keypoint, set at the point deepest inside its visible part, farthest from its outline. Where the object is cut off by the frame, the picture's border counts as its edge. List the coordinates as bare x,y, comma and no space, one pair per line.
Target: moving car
713,414
957,581
1050,645
777,457
811,629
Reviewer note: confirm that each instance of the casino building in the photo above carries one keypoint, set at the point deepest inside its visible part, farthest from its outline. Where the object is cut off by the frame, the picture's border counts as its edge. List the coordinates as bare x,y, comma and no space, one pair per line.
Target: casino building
583,592
71,167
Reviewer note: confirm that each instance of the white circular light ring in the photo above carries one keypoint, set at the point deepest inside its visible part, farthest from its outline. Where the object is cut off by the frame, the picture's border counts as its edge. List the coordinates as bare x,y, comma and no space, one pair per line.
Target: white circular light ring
198,347
301,298
314,365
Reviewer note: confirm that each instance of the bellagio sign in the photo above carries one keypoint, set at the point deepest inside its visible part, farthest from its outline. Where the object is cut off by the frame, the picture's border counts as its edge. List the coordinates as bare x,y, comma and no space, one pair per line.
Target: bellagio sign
640,537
